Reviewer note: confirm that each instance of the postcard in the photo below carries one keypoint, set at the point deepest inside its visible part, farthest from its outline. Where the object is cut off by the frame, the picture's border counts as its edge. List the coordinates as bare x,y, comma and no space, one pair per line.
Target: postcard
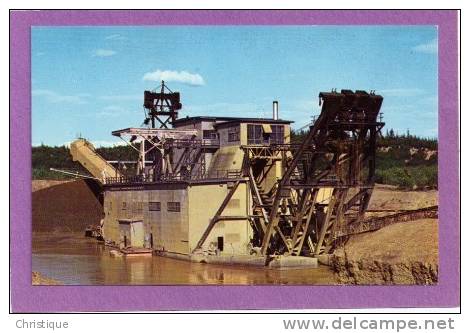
184,156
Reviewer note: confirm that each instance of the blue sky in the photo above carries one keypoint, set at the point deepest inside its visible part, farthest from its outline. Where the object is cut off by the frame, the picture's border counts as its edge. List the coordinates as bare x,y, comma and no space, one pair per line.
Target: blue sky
89,81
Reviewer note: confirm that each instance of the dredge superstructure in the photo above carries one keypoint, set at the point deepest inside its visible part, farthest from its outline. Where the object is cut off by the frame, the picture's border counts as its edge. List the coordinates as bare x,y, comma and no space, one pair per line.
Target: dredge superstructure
227,186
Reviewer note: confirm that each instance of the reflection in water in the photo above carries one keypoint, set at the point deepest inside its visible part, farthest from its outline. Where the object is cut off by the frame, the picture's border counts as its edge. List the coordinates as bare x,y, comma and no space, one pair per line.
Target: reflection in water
75,260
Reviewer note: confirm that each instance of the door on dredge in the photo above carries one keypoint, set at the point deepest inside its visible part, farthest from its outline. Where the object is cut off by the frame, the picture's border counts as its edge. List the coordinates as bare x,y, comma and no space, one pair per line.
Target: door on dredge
132,233
220,243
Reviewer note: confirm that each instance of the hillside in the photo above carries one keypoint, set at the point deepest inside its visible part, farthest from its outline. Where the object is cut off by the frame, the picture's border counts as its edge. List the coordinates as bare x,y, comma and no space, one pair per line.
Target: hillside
406,161
46,157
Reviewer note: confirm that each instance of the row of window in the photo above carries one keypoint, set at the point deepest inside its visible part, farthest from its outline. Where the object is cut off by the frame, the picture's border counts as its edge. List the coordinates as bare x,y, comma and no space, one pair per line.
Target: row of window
265,134
257,134
156,206
171,206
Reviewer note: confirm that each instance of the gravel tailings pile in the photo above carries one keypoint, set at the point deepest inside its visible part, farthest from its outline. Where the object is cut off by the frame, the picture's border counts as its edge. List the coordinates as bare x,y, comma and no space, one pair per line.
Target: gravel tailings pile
70,206
389,197
402,253
39,184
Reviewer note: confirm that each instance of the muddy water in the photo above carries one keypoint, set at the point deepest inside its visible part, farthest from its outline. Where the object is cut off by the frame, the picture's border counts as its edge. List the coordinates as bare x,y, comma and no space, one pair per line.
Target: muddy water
73,259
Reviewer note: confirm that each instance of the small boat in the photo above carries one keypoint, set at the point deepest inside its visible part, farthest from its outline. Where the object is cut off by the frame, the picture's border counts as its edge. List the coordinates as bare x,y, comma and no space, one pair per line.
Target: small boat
93,231
136,252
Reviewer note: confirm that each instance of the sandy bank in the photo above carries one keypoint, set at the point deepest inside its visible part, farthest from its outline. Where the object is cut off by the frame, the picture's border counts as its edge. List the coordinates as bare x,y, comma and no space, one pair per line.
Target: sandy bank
390,198
403,253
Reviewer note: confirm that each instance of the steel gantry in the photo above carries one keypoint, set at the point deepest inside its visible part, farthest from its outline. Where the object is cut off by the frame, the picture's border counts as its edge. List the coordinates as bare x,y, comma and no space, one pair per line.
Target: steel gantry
304,195
326,181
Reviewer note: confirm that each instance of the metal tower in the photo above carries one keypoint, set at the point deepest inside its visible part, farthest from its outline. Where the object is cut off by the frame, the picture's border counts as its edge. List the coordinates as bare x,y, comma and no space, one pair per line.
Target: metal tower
161,106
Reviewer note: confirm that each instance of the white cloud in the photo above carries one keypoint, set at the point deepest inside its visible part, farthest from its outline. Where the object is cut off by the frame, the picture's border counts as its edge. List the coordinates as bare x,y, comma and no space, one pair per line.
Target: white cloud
175,76
115,37
54,97
103,53
429,47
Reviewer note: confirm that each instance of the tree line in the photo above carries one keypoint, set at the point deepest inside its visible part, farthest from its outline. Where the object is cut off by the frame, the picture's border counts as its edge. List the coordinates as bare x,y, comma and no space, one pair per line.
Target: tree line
405,160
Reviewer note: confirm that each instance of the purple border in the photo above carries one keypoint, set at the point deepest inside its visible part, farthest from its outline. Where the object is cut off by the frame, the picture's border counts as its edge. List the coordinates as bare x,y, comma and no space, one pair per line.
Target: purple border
28,298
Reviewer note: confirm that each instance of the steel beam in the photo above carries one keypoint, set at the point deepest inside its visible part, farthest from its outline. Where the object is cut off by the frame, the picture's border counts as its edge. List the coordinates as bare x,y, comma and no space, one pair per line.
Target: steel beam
216,217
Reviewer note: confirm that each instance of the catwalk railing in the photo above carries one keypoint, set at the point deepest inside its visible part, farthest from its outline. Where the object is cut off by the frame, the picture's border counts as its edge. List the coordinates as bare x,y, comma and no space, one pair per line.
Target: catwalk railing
140,179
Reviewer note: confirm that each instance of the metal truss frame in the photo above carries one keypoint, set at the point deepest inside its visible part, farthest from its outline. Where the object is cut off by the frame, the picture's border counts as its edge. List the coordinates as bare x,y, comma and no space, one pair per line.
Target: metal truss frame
338,154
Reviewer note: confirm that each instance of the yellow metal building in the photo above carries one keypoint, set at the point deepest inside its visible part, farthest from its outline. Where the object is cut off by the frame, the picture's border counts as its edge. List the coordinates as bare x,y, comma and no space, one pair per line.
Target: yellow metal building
172,216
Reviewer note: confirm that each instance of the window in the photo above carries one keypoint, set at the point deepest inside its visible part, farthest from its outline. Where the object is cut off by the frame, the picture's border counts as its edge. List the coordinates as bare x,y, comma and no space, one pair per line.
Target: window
155,206
124,205
234,134
255,134
173,206
209,134
265,134
138,207
277,135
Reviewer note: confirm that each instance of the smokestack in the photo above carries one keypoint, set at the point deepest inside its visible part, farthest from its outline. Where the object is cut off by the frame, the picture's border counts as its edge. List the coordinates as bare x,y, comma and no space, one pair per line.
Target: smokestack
275,110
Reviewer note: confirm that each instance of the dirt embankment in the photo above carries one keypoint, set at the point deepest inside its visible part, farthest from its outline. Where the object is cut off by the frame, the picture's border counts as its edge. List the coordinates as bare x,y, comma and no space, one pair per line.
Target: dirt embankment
67,206
402,253
39,184
390,198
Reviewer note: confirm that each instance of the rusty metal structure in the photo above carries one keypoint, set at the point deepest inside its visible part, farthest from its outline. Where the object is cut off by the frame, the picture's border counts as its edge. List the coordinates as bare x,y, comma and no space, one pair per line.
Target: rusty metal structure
338,156
376,223
161,106
318,193
165,154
